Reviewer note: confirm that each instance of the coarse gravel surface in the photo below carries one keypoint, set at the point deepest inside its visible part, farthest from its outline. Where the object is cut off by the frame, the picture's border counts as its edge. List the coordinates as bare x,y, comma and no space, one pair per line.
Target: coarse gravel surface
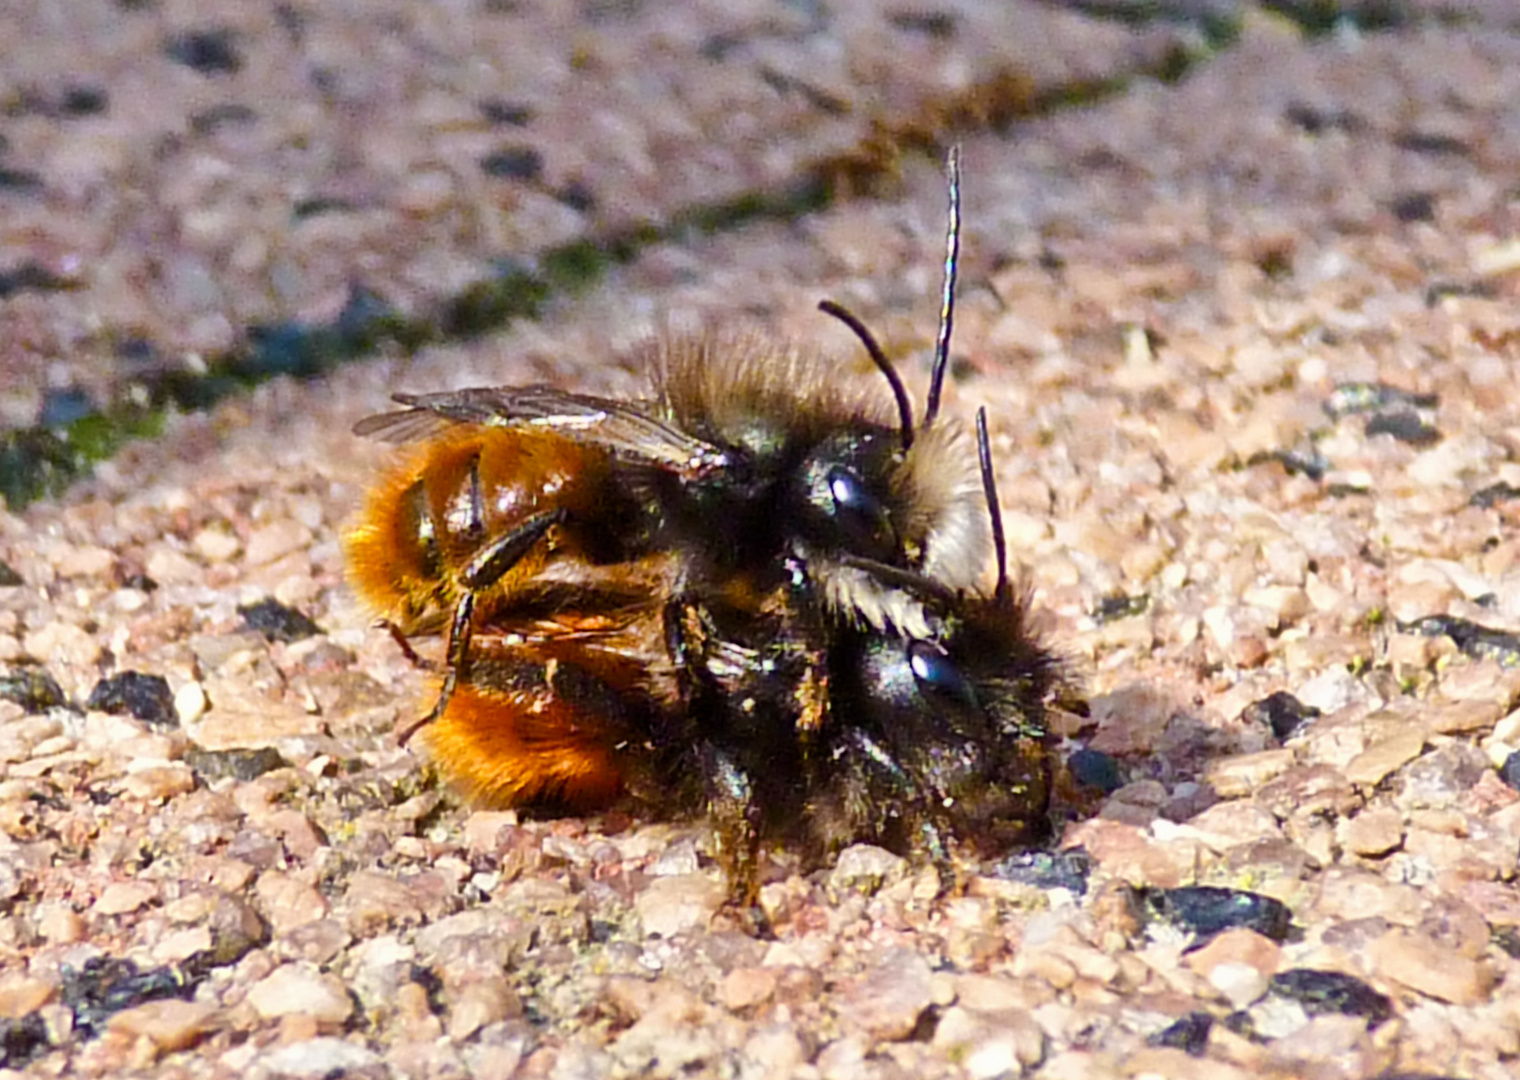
1248,341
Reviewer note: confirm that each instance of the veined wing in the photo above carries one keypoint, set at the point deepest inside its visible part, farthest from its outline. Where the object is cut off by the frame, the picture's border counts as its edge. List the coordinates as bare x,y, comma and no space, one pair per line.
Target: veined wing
623,428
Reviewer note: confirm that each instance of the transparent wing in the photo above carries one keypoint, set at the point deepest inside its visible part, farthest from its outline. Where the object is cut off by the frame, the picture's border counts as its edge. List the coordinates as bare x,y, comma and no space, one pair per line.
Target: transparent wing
623,428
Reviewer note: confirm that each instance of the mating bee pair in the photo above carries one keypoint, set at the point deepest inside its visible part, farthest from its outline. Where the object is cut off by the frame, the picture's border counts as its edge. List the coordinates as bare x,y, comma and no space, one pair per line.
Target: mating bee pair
753,594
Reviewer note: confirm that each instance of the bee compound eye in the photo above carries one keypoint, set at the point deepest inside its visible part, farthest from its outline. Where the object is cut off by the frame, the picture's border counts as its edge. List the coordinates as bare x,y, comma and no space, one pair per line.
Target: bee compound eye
938,676
860,513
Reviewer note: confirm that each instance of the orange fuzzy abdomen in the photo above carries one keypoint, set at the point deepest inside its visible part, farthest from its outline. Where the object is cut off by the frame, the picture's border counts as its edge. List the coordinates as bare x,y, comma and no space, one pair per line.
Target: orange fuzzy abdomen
528,729
435,509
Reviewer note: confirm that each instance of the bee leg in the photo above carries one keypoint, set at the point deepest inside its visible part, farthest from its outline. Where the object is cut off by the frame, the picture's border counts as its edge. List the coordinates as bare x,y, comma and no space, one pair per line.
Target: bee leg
731,801
485,569
404,645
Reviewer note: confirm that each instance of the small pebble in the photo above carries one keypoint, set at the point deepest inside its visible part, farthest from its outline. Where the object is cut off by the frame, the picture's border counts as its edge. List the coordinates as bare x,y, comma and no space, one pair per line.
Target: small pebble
671,905
169,1025
889,998
124,897
1431,968
294,990
319,1058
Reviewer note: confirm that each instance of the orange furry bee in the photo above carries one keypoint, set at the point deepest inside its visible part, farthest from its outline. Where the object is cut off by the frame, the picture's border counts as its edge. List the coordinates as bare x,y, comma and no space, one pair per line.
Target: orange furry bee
753,592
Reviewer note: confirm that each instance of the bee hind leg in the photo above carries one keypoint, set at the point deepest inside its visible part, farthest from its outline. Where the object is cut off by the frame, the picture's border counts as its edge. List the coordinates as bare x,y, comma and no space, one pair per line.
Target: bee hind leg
484,569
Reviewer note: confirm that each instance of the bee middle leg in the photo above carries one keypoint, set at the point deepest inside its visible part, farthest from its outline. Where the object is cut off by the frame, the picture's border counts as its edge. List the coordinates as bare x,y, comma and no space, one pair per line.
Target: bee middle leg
488,566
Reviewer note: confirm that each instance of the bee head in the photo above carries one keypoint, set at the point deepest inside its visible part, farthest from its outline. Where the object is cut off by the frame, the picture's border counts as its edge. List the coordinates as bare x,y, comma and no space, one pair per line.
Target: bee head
955,713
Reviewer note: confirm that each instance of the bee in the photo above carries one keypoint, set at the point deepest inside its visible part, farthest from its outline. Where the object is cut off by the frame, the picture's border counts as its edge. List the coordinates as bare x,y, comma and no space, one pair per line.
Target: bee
924,743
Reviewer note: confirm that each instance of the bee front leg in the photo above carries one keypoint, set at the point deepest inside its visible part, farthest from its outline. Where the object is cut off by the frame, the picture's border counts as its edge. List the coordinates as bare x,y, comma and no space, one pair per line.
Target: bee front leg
488,566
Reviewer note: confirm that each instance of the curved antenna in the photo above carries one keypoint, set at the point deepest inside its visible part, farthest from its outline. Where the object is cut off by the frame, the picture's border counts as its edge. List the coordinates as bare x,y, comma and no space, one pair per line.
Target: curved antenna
879,358
994,511
947,296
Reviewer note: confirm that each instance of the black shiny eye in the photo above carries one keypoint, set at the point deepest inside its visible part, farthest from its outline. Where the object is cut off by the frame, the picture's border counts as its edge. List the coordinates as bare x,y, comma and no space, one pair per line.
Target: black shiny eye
861,514
938,676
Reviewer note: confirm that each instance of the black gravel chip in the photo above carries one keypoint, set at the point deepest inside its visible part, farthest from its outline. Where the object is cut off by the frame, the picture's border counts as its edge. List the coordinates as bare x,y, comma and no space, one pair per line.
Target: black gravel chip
1309,462
1361,397
1067,869
1282,712
236,764
1479,642
32,688
277,622
507,113
146,697
1207,910
1095,769
1405,426
514,163
1321,992
106,985
1509,772
1120,606
21,1040
22,182
1414,206
1314,120
209,52
1437,291
1508,939
224,115
1494,494
578,196
9,579
1423,142
1191,1034
83,100
31,275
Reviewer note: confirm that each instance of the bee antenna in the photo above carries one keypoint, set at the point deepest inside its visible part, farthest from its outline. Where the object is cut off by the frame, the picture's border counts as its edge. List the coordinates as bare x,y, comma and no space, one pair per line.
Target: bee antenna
994,511
947,296
879,358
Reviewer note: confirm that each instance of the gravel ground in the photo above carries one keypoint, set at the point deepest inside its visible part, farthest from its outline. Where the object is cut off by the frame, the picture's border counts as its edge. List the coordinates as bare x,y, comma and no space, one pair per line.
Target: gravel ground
1248,343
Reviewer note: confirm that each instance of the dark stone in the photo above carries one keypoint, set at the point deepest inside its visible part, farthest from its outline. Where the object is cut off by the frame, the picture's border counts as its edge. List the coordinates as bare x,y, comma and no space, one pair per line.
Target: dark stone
1191,1034
1479,642
507,113
1048,870
1405,426
1207,910
32,688
1421,142
277,622
209,52
1414,206
1120,606
514,163
1349,398
1509,772
146,697
1317,121
1322,992
22,1039
1281,711
237,764
106,985
1093,768
1297,462
1494,494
